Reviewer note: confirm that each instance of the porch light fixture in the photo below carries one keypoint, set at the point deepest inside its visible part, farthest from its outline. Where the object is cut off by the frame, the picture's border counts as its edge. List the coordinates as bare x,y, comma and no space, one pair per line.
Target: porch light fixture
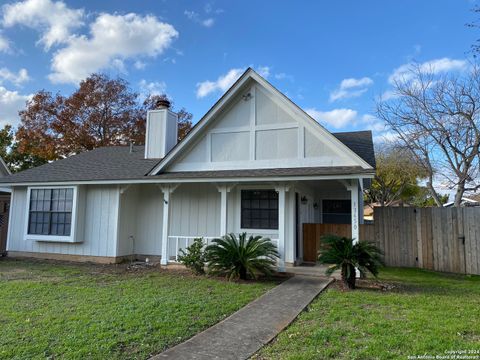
315,206
303,200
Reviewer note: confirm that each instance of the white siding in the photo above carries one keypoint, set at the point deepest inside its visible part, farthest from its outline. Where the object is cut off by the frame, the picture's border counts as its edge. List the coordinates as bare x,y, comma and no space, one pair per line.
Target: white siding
195,210
127,225
99,219
149,215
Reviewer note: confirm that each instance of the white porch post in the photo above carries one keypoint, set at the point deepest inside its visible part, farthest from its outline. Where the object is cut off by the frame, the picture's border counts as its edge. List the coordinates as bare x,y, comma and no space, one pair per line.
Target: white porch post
353,188
282,189
224,189
167,190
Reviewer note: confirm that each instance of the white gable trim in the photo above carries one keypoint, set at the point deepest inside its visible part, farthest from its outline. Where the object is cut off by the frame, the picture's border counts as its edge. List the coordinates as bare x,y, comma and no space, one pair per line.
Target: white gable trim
305,121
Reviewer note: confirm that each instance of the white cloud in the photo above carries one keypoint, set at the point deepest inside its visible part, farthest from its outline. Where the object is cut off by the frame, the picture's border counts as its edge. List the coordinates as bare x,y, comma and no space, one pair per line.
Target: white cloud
197,18
4,44
14,78
139,65
341,118
112,38
351,87
284,76
337,118
152,88
264,71
436,66
221,84
10,103
208,22
54,20
224,82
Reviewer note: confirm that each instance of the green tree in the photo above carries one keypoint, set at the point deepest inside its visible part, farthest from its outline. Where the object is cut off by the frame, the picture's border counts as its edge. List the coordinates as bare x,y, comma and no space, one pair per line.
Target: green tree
396,177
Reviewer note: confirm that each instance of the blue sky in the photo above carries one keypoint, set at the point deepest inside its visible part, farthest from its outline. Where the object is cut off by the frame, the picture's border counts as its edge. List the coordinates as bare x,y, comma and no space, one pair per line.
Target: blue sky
330,57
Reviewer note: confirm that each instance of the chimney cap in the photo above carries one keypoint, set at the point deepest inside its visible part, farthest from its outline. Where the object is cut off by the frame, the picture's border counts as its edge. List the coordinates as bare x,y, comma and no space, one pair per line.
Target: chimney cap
162,104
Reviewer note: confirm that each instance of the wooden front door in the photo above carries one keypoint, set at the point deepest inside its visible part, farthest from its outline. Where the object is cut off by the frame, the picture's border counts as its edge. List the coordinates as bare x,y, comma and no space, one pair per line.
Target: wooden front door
311,238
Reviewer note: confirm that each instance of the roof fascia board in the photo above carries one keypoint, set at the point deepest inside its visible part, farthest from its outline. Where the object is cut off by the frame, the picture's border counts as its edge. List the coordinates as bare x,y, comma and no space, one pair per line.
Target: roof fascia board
196,180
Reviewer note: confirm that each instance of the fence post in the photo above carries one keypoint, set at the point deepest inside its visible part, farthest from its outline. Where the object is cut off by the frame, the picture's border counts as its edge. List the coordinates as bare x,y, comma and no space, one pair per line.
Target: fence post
418,221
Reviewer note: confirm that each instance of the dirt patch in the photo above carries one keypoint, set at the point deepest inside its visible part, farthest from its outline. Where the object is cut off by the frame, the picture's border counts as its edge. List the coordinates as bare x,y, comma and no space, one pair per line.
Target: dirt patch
366,284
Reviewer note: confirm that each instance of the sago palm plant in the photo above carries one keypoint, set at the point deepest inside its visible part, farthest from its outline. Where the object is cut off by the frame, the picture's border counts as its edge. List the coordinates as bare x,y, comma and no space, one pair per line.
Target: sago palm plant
341,253
242,257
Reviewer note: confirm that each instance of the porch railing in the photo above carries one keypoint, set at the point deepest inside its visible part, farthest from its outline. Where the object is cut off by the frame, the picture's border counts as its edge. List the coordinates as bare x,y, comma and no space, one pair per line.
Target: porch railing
177,242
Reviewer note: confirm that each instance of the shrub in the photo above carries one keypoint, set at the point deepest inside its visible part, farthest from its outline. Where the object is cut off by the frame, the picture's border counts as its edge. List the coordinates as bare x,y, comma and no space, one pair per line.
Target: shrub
241,258
343,254
194,256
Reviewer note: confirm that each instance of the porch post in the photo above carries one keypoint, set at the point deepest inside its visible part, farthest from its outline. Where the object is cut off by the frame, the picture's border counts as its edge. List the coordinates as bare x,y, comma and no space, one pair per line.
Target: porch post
223,189
282,189
167,189
353,188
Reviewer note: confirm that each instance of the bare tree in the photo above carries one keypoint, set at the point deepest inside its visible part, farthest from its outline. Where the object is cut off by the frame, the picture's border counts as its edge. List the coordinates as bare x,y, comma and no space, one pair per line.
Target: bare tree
437,118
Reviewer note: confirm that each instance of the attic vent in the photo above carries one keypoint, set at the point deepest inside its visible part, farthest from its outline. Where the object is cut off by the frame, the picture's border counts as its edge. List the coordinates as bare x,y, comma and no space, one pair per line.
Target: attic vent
247,96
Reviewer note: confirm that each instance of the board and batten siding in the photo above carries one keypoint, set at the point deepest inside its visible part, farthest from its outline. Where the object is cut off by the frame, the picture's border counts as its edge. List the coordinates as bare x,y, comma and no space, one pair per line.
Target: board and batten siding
149,221
99,224
195,210
257,130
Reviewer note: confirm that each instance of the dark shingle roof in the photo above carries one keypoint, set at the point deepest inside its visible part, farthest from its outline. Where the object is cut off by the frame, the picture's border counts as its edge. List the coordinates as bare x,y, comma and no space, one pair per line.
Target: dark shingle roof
118,163
360,142
106,163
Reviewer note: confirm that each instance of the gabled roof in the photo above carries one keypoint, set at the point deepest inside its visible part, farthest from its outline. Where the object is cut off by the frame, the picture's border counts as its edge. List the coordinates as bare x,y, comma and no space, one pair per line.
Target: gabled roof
106,163
360,142
247,76
118,163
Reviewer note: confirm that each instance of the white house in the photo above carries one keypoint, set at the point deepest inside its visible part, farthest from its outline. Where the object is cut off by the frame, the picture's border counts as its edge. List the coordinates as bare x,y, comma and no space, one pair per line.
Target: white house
255,162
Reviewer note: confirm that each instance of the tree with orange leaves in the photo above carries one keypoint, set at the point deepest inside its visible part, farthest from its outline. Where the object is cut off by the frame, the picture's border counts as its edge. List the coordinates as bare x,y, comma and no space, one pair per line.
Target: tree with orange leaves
101,112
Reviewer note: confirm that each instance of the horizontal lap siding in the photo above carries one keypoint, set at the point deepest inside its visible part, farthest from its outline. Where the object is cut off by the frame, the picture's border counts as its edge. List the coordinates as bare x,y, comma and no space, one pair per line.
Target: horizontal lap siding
100,225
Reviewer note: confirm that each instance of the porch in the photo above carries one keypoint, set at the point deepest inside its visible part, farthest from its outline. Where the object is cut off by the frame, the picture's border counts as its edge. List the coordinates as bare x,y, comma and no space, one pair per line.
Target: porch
158,220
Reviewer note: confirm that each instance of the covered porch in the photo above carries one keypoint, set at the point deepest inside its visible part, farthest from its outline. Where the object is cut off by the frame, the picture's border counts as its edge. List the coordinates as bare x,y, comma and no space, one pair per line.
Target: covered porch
158,220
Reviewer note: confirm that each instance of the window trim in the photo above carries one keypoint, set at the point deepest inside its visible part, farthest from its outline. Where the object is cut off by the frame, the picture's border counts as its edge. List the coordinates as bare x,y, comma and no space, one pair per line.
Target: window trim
52,238
260,231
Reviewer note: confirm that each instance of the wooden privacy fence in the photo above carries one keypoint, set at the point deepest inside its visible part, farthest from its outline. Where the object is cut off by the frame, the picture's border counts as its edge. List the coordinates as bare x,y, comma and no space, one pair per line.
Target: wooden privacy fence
441,239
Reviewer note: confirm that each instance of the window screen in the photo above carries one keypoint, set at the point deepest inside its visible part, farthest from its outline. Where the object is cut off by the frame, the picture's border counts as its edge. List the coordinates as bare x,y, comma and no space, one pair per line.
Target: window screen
259,209
50,211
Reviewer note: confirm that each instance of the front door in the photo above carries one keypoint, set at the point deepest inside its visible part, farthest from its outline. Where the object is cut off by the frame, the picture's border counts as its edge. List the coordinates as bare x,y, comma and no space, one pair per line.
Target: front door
310,246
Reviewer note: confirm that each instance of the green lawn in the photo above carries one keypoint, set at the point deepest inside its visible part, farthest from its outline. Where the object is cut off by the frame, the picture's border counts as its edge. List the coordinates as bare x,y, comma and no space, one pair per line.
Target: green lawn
424,313
61,310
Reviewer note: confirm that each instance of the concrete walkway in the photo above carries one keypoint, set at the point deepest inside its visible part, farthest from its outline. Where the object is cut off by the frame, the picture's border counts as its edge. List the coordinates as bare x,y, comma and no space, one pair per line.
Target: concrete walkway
246,331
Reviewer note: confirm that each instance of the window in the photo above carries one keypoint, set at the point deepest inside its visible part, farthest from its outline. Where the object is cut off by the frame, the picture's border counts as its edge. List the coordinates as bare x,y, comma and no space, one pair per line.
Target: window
50,211
336,211
259,209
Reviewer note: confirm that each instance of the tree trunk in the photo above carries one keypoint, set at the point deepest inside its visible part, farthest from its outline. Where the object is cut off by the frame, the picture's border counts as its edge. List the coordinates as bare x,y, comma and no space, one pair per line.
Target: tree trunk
243,273
433,192
459,193
348,276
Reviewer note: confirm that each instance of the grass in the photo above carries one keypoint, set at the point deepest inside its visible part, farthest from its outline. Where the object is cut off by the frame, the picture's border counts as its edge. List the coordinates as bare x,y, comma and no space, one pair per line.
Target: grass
406,312
68,311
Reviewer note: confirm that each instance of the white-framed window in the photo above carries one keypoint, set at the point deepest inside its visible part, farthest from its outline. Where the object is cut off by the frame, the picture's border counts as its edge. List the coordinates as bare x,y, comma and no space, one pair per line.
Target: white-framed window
259,209
51,213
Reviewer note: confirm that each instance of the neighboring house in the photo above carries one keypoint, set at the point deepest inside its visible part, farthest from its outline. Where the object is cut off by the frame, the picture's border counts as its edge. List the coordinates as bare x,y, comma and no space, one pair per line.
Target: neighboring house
369,209
466,202
4,208
255,162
